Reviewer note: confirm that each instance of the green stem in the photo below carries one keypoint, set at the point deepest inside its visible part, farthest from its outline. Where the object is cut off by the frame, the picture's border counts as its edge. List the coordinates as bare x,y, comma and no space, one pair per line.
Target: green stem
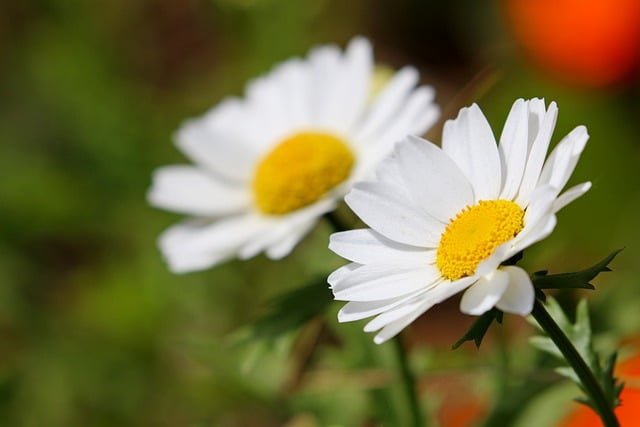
589,382
409,383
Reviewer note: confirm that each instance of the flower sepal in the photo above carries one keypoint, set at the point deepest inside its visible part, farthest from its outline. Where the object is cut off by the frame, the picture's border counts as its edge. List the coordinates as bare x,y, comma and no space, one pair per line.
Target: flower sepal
480,327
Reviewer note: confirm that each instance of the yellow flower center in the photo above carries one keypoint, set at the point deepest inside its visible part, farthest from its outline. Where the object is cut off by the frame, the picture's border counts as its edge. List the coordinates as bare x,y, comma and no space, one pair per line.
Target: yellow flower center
299,171
474,234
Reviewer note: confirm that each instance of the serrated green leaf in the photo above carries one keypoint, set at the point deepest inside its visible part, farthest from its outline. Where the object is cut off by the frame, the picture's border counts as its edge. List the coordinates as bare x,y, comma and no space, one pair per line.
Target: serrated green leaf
546,345
582,400
576,280
610,383
580,335
479,328
568,372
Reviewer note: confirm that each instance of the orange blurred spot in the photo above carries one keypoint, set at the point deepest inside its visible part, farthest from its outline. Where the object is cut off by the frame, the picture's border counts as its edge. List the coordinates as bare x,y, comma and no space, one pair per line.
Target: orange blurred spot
461,414
628,412
462,404
629,369
588,42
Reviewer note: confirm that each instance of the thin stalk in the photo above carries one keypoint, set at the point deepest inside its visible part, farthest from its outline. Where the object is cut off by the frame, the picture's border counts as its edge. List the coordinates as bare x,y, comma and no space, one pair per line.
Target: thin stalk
409,383
589,382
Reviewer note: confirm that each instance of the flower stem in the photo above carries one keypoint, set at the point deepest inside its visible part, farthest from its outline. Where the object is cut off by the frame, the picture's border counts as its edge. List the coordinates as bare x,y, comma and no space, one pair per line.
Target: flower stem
409,383
588,380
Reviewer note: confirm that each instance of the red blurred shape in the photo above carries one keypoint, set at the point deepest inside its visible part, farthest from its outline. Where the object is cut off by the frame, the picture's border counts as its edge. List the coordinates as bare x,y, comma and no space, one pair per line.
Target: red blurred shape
593,43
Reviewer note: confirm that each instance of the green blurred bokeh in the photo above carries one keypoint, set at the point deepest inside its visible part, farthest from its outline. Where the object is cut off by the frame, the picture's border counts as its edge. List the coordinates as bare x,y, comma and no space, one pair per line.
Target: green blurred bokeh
94,330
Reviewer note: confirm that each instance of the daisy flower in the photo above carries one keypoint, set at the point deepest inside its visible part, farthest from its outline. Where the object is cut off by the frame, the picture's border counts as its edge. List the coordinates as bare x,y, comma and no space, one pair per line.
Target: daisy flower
443,220
267,165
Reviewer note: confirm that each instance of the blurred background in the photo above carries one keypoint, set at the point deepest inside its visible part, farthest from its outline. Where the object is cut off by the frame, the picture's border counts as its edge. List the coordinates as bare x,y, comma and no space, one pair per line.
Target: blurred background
95,331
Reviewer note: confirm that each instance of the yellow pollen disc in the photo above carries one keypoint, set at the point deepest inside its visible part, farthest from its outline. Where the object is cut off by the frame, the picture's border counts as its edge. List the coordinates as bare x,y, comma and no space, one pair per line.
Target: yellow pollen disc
299,171
474,234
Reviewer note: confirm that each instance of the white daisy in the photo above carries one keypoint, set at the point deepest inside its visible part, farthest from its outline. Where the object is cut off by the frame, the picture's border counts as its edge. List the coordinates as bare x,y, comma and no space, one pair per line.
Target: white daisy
444,219
269,164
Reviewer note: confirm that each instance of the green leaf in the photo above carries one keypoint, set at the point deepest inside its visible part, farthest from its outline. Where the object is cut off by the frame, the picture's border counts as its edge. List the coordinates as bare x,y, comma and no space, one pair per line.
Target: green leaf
291,310
576,280
610,383
479,328
580,335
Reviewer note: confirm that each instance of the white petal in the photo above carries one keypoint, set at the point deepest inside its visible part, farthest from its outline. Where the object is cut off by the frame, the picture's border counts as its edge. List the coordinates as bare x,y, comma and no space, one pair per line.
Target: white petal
403,312
531,235
358,60
259,243
434,181
388,171
469,141
513,148
267,111
426,118
416,115
387,103
393,315
392,215
483,295
187,189
341,273
340,84
519,296
365,246
183,263
417,108
225,154
326,70
570,195
446,289
191,245
540,206
393,328
285,244
372,282
537,112
356,310
293,81
564,158
284,232
545,122
280,230
539,220
295,226
488,265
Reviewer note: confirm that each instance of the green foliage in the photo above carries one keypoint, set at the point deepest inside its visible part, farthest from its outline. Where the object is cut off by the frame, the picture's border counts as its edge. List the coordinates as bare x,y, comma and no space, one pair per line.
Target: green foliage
480,327
93,328
580,335
577,280
541,280
291,310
